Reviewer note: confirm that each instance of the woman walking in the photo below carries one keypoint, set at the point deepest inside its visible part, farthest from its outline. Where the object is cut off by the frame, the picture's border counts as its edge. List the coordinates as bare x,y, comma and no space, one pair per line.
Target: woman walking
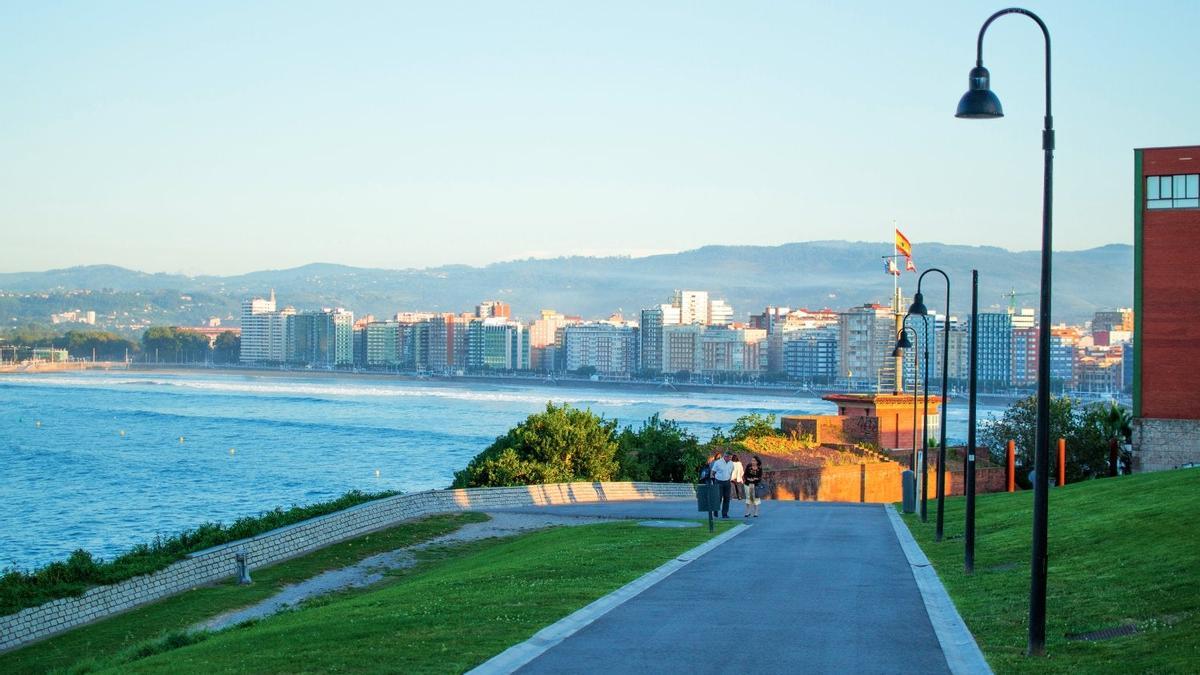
739,471
753,478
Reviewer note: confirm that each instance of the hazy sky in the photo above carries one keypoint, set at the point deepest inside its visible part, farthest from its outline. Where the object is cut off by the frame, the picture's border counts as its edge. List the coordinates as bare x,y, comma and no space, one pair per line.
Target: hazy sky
226,137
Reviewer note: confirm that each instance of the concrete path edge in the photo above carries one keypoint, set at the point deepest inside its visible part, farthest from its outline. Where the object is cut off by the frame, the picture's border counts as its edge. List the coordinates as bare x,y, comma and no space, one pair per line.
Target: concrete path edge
520,654
958,645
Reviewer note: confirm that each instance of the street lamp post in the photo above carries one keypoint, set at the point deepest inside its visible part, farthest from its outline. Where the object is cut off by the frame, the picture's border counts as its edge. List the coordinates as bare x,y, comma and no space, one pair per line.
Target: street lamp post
919,308
923,460
969,535
902,343
981,103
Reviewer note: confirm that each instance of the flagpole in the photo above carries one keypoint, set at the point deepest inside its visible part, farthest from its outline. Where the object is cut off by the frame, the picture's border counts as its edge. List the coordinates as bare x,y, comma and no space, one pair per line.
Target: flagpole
898,387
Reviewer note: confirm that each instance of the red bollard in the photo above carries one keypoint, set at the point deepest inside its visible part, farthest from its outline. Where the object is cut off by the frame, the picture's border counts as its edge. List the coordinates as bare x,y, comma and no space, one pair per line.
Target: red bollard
1062,462
1012,466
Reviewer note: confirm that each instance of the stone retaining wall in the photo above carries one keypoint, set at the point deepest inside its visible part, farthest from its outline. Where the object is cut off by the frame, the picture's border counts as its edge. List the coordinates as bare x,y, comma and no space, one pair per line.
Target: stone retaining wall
215,564
1161,444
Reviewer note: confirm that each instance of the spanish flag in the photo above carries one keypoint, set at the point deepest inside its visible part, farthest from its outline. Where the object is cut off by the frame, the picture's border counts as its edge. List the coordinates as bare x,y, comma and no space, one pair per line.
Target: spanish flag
902,244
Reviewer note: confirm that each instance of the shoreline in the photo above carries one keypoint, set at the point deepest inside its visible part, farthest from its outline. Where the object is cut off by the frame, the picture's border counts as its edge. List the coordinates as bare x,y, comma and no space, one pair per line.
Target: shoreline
465,381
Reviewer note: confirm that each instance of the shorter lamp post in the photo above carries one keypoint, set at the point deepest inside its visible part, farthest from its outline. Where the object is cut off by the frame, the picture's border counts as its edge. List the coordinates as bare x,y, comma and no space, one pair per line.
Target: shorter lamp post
901,343
919,308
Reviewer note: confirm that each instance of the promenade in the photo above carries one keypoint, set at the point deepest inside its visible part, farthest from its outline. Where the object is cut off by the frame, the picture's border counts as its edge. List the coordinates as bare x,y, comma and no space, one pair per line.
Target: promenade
807,587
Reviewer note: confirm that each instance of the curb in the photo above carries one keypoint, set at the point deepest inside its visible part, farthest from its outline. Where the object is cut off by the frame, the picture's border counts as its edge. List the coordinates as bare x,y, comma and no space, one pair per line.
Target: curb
958,645
520,654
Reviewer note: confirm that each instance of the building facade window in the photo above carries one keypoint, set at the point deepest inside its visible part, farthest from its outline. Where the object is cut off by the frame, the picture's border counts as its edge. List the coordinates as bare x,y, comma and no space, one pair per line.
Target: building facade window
1181,191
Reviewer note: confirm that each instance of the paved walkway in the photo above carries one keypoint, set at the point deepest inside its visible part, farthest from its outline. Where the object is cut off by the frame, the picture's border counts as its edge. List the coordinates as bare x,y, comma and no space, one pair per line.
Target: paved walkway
807,588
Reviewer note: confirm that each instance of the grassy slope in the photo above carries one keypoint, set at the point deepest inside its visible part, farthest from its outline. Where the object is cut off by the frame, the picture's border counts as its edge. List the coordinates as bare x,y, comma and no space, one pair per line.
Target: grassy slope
448,616
1121,550
108,637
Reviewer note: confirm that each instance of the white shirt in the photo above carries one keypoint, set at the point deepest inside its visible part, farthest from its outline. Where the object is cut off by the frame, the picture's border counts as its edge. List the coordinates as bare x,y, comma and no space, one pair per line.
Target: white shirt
722,469
738,472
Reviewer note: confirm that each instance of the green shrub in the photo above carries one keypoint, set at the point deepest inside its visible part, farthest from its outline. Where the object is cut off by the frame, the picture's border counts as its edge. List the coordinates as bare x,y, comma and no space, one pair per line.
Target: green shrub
660,451
561,445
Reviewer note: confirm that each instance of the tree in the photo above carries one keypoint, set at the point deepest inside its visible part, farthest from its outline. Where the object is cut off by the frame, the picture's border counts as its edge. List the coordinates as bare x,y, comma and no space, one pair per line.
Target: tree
174,344
228,347
753,425
1114,425
104,345
561,445
586,371
659,451
1083,427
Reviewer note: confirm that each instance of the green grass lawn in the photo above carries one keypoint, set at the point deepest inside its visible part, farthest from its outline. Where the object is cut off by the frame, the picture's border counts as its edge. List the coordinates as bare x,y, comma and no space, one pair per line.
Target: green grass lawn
447,615
1121,551
102,640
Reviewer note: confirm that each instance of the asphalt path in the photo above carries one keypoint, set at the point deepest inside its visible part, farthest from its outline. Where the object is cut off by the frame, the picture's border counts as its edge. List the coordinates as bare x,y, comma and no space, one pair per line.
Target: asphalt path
807,588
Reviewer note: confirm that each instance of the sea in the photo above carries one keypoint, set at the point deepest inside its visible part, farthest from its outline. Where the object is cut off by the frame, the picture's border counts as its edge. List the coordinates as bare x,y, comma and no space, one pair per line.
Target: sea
106,460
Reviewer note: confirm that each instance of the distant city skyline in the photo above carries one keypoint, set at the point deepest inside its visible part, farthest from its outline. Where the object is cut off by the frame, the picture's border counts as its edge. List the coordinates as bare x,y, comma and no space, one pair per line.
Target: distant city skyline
226,138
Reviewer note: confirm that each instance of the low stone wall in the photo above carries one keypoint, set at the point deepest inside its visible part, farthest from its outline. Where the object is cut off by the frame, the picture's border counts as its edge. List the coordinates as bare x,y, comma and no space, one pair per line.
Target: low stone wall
215,564
1161,444
878,482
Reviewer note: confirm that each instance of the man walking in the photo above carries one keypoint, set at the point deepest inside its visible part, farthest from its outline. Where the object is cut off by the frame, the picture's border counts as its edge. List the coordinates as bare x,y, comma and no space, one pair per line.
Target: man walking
722,472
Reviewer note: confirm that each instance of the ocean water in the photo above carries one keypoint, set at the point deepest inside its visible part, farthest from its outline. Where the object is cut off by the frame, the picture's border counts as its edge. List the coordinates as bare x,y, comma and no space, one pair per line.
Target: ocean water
103,461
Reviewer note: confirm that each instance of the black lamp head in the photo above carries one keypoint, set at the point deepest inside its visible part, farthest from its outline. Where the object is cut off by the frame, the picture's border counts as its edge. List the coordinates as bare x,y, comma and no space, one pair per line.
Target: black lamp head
979,103
918,307
897,353
903,342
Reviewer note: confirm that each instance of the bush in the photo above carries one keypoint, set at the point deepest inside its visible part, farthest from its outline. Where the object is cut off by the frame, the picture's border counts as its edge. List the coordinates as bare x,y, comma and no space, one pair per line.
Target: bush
660,451
80,571
561,445
1088,430
753,425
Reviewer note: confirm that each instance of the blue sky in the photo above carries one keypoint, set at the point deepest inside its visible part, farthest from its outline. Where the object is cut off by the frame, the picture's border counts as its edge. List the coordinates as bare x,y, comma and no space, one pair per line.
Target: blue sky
223,138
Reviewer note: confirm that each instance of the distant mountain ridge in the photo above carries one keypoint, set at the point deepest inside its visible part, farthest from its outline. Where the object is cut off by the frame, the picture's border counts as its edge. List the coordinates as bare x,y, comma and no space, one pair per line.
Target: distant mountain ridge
814,274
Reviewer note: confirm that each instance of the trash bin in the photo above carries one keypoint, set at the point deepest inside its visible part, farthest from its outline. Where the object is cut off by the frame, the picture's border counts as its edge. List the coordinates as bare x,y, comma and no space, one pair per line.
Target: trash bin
708,497
908,488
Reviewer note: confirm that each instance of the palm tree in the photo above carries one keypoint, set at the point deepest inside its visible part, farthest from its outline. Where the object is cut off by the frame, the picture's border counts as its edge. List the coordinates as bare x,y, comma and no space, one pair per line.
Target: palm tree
1118,427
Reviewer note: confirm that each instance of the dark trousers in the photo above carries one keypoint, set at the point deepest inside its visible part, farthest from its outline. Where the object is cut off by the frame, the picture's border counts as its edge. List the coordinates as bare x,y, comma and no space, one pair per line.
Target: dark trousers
724,486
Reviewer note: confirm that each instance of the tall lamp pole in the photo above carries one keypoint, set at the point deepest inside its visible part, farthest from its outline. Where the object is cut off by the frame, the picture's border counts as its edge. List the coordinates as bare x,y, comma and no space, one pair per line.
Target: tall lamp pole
969,537
981,103
918,308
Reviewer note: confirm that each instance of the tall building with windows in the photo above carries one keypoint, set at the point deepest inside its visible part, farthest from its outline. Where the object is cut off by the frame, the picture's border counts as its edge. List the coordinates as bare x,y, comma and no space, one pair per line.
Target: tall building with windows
493,309
866,339
497,343
1166,236
323,339
650,334
995,350
681,350
811,355
383,346
264,331
609,349
719,313
693,306
733,351
1024,356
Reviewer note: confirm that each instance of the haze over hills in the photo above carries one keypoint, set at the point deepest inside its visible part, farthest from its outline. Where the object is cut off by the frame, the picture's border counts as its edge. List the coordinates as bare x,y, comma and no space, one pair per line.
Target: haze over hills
816,274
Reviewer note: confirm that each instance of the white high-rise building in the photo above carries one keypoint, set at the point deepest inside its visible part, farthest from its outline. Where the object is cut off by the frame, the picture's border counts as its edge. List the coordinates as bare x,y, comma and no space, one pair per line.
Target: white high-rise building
719,313
693,307
264,331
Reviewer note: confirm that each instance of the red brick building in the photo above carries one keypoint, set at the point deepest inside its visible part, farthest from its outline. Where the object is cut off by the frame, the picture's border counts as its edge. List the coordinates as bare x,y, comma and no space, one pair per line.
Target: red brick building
1166,387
